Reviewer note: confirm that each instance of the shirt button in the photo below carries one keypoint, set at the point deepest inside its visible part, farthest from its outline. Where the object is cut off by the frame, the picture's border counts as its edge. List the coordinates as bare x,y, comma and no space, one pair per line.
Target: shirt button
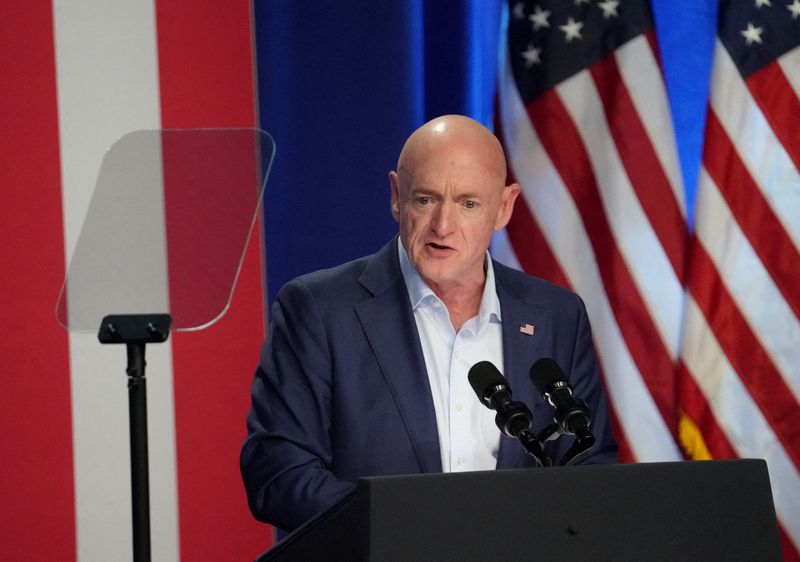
459,406
455,354
460,460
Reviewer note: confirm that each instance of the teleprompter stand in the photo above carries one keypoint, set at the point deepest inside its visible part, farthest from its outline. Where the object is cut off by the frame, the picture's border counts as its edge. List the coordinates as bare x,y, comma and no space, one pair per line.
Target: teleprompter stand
676,511
166,231
135,331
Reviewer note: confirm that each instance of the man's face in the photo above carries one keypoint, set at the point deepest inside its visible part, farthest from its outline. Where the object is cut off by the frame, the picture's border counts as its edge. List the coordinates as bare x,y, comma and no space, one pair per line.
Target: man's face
448,205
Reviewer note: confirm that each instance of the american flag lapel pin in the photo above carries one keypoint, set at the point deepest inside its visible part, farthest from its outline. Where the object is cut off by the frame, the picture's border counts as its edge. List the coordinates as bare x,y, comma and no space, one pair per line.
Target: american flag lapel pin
526,329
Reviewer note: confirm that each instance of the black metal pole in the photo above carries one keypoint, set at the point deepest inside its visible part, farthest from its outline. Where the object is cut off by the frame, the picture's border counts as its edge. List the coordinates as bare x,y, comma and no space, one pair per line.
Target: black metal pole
140,481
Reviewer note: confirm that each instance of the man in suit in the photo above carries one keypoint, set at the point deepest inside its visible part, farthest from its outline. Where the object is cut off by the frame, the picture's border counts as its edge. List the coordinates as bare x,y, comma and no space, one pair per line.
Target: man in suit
365,370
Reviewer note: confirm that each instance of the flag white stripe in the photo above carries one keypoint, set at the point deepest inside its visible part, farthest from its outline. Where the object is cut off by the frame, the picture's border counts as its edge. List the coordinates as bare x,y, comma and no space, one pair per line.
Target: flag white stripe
759,149
790,64
633,233
558,217
740,419
756,295
642,77
107,85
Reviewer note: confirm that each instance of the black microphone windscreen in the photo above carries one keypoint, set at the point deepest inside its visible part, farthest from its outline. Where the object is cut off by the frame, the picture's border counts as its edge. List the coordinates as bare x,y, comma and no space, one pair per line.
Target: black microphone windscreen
483,376
545,373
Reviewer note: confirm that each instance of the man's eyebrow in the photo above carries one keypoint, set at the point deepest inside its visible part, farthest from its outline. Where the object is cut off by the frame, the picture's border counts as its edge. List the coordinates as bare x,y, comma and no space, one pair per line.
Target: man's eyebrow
427,191
422,191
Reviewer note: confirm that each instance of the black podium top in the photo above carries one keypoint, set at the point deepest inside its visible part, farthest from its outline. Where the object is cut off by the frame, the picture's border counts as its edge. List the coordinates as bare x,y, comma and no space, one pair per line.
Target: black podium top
693,511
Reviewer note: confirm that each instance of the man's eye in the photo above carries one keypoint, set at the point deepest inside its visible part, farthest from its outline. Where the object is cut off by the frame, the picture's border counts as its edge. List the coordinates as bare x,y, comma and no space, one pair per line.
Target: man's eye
423,200
470,204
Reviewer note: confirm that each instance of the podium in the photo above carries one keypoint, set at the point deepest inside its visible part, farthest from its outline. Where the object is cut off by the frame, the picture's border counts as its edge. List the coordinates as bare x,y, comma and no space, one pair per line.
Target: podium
704,510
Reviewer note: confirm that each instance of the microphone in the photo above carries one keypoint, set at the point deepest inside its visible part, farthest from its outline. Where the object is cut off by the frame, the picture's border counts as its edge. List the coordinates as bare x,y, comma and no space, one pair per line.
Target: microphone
493,390
572,416
513,418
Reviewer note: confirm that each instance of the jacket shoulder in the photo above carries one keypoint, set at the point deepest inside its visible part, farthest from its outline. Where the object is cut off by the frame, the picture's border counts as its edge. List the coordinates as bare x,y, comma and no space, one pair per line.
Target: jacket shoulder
324,284
533,290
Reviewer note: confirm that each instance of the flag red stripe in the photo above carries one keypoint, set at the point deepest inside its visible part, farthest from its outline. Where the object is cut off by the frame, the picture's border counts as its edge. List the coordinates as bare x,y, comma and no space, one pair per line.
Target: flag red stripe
744,352
641,163
206,79
563,144
695,405
781,107
751,210
36,463
788,548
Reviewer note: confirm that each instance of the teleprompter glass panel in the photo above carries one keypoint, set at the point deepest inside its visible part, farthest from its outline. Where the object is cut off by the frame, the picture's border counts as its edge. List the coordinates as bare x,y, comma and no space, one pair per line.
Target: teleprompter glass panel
167,226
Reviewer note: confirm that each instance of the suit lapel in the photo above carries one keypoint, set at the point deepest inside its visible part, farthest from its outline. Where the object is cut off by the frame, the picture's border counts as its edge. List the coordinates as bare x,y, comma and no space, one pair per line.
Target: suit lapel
388,322
520,350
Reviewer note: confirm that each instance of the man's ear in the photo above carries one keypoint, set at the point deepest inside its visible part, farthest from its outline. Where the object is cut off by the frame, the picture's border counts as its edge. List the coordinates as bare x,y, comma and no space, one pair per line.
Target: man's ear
395,199
510,193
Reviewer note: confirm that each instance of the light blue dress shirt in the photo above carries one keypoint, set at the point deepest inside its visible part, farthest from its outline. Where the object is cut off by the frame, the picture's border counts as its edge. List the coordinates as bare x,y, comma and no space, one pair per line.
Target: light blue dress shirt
468,436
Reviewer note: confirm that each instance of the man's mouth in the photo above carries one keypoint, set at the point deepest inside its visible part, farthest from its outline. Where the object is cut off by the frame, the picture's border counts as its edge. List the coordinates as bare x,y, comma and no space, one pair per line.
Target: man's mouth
439,246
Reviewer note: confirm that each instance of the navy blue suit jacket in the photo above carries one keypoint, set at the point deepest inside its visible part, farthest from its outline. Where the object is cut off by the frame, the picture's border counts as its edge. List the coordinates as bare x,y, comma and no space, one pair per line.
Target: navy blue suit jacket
342,390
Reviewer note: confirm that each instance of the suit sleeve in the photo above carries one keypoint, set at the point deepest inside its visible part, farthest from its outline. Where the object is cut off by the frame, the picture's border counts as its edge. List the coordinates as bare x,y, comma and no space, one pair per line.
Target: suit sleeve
285,458
587,384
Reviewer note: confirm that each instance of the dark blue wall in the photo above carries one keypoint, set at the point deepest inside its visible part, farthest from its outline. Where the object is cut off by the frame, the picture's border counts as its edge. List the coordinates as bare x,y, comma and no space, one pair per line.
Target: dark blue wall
341,84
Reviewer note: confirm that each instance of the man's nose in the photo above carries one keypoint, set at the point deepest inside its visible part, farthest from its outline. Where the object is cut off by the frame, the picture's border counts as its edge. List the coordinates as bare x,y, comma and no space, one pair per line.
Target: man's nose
444,218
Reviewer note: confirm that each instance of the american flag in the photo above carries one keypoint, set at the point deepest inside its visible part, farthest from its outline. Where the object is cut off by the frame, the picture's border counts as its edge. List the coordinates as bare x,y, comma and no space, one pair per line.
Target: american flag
585,121
697,336
739,373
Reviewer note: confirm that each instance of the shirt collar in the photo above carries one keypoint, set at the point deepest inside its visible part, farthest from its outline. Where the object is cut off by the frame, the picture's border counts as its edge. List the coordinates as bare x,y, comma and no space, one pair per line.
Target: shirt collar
419,291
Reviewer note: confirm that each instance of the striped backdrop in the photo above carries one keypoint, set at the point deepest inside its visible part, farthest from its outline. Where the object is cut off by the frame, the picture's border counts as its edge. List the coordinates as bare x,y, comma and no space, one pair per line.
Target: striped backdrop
75,76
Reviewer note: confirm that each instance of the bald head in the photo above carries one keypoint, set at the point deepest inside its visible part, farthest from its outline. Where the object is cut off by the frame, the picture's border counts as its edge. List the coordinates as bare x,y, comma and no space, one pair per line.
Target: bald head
449,195
449,137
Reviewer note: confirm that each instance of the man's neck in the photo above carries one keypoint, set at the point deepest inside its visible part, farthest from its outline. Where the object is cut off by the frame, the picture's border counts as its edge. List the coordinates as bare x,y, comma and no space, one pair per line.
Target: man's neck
463,300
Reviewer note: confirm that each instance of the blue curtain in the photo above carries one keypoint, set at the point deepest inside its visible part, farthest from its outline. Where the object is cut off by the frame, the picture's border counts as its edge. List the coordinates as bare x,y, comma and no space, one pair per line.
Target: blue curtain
342,84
